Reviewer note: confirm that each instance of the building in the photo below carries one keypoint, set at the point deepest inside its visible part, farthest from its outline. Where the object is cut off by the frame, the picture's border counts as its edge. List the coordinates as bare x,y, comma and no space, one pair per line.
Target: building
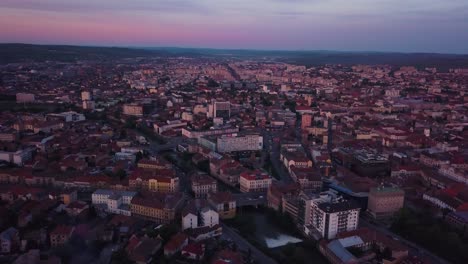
232,142
332,214
363,246
306,120
222,110
224,203
156,180
158,207
199,213
308,178
86,96
133,110
189,133
88,105
277,192
202,184
384,202
9,240
363,162
254,181
111,201
61,235
25,98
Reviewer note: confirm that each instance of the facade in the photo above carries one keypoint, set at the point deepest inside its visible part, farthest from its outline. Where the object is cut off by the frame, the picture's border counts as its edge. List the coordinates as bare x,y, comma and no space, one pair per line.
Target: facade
222,109
254,181
115,202
202,184
384,202
199,213
160,180
158,207
60,235
331,218
306,120
25,98
232,143
133,110
197,134
224,204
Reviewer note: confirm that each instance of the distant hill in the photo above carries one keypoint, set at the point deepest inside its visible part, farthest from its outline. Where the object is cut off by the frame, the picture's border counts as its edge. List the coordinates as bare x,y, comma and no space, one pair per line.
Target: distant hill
10,53
28,52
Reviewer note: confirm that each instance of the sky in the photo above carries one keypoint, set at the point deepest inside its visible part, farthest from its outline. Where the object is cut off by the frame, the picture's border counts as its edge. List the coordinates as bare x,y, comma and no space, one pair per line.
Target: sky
343,25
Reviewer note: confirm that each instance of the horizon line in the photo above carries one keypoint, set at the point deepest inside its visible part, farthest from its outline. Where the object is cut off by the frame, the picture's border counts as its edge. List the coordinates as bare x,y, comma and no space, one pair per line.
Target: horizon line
145,47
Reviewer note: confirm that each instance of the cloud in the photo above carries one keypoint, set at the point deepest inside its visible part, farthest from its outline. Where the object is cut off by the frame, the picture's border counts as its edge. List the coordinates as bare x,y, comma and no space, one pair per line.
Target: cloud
102,5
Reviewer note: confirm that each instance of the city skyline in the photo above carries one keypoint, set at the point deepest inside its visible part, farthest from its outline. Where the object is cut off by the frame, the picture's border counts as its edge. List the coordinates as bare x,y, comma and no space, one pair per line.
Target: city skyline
387,26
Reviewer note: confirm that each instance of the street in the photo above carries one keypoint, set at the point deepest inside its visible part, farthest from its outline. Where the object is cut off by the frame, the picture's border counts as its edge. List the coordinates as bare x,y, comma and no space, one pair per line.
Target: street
230,234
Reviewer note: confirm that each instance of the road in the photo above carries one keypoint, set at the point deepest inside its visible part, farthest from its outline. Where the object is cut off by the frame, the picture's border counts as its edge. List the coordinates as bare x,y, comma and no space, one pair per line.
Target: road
413,248
274,148
229,233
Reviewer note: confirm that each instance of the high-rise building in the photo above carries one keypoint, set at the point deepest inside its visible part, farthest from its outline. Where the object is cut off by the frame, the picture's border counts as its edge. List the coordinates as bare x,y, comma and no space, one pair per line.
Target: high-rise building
86,96
222,109
306,120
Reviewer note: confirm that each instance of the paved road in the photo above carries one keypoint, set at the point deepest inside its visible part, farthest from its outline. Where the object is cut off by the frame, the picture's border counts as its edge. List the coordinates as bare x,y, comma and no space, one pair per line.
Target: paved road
243,244
414,248
273,147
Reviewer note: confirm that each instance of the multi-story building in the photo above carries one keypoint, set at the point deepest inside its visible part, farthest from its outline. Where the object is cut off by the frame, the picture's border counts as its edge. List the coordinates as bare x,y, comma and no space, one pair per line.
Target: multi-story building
198,213
202,184
189,133
25,98
221,109
86,96
254,181
306,120
158,207
60,235
277,192
224,203
232,142
133,110
116,202
9,240
159,180
308,178
334,216
384,202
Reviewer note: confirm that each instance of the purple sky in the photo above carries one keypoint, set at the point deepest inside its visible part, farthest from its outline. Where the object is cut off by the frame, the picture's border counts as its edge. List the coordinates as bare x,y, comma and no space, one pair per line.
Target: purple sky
353,25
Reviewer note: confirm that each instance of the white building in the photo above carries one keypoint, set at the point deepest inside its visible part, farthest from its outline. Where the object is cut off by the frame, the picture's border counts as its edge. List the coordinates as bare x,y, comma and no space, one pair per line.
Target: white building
232,142
255,181
18,157
116,202
70,116
332,217
198,213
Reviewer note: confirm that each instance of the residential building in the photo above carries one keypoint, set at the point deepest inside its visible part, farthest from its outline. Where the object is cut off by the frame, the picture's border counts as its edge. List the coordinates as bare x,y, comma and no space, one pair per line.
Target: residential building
158,207
133,110
111,201
224,203
9,240
384,202
202,184
61,235
254,181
